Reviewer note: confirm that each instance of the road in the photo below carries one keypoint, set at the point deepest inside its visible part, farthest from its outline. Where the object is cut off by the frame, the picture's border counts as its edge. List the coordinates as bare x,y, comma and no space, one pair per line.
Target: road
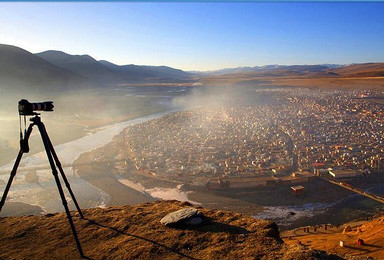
356,190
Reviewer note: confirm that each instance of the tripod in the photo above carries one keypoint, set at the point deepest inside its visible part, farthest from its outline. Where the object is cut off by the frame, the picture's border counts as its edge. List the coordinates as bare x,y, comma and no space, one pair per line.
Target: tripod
52,158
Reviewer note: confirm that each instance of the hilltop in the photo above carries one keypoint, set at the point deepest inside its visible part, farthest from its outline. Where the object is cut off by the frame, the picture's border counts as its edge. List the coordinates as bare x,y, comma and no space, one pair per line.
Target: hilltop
131,232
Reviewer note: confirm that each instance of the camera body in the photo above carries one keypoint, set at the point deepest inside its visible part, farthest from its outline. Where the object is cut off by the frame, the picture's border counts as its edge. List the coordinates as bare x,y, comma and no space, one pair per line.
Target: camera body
27,109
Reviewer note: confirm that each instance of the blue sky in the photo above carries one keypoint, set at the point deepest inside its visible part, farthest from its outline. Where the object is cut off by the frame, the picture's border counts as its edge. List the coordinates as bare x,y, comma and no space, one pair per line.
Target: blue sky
200,36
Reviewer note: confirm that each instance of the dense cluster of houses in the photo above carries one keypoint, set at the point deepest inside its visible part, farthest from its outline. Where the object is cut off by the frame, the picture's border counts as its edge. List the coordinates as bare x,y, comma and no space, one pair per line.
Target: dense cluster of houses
262,143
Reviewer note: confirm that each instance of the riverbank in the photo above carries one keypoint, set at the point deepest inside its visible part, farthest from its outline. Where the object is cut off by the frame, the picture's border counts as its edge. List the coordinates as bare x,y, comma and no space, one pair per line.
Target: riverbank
73,118
43,192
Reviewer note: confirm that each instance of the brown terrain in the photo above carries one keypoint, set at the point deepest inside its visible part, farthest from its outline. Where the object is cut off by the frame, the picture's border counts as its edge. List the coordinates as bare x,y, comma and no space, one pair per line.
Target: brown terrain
356,76
135,232
371,232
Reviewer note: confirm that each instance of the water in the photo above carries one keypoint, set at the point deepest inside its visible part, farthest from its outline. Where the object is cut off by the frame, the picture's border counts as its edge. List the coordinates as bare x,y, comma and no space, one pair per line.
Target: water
341,211
44,193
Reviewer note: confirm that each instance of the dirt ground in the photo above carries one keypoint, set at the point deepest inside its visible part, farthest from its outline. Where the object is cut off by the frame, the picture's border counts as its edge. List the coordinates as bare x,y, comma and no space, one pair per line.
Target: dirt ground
371,232
135,232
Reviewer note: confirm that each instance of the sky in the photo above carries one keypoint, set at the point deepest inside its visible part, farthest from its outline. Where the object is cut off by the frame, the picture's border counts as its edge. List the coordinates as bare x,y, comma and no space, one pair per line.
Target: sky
200,36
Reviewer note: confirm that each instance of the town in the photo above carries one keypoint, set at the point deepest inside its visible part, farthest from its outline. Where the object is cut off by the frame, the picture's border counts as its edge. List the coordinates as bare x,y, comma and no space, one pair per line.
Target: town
265,136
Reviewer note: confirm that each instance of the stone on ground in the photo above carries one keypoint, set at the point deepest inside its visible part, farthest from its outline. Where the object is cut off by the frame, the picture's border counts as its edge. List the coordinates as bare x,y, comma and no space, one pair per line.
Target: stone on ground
188,216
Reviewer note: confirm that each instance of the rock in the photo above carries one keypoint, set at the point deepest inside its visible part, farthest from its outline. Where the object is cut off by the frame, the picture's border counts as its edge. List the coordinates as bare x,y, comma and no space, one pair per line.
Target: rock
188,216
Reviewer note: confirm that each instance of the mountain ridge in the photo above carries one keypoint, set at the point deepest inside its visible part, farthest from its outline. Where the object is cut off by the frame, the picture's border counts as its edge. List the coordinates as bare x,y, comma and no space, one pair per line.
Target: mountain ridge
22,70
107,72
59,71
243,69
84,65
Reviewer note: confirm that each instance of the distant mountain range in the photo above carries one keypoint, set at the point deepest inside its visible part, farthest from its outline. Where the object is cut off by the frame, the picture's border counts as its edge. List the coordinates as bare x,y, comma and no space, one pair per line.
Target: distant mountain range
267,68
152,73
355,76
58,71
300,71
106,72
22,70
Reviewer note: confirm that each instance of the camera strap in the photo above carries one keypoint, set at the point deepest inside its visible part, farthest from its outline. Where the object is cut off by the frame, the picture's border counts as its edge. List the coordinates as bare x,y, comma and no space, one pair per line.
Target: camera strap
25,125
23,144
21,133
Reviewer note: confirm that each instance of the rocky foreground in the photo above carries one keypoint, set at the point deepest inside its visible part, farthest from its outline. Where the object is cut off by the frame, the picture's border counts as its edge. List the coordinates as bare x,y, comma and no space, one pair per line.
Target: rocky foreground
135,232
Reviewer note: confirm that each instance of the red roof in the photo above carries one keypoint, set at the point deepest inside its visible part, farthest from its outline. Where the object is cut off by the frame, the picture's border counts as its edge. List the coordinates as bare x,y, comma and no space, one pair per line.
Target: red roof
318,164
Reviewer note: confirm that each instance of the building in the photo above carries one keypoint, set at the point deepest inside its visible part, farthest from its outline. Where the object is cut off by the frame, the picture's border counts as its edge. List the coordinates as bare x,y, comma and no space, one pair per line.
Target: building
240,183
344,173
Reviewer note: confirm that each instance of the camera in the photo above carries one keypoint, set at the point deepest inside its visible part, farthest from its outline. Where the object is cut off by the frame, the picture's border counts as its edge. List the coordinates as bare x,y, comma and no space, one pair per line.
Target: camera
27,109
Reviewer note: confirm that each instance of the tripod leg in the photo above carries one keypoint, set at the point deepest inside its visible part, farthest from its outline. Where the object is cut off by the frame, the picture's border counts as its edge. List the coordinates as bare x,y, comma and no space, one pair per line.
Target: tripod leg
15,166
58,164
44,136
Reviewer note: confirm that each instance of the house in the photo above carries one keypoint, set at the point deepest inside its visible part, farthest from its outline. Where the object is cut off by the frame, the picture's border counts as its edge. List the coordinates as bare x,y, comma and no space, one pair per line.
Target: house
344,173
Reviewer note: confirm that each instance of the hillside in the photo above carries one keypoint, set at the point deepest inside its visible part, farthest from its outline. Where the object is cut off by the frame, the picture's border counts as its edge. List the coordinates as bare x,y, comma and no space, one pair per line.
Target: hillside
148,73
327,70
372,233
135,232
57,71
361,70
271,68
83,65
20,70
106,72
355,76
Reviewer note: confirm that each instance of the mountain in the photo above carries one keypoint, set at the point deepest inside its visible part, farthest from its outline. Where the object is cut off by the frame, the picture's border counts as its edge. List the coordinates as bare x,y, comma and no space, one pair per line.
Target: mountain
83,65
57,71
271,68
135,232
227,71
21,70
361,70
149,73
353,76
322,70
108,73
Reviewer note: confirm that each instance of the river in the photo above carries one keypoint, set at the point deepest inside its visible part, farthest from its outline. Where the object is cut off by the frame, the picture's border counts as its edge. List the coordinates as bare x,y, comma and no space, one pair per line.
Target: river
44,192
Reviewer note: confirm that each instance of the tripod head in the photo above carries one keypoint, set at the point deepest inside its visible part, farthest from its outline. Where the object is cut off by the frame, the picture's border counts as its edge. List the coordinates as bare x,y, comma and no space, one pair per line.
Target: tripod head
36,119
27,109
